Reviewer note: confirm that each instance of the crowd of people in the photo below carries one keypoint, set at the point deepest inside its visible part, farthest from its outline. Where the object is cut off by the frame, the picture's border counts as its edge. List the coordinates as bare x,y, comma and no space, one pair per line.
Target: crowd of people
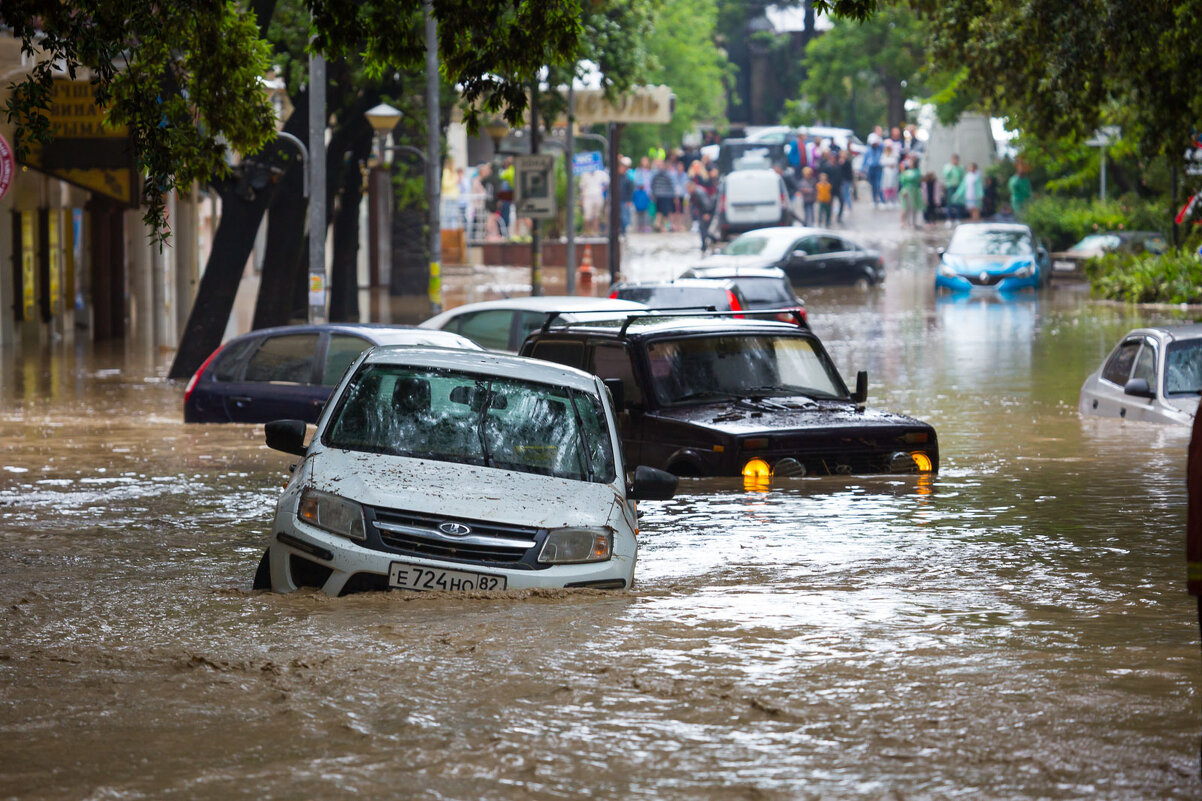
676,190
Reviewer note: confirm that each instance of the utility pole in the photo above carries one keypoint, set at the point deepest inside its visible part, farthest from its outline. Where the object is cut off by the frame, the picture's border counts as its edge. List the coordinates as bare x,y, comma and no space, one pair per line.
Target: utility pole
570,277
615,201
433,159
317,188
536,235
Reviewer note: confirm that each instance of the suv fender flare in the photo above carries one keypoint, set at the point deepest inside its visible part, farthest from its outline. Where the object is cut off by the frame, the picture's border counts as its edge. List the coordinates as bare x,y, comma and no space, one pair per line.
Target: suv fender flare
686,462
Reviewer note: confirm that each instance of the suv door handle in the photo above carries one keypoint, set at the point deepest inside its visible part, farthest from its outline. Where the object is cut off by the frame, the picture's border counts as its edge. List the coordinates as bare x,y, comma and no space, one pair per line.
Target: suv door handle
240,399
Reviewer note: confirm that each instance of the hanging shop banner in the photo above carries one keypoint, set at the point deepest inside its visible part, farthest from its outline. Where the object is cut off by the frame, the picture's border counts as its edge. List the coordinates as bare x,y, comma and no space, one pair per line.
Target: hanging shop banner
641,104
85,150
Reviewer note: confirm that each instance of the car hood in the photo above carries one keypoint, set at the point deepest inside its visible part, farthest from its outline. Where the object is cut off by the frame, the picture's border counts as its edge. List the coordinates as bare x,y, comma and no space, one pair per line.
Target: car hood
460,490
736,262
972,265
1187,404
784,415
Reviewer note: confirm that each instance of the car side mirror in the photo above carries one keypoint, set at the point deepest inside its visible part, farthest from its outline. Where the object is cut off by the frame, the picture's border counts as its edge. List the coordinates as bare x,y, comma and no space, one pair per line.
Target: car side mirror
651,484
617,390
286,435
861,393
941,251
1139,388
797,257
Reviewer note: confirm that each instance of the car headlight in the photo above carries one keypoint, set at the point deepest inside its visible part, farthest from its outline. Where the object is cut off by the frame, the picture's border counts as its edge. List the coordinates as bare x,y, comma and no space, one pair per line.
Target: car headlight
947,270
566,546
1024,271
331,513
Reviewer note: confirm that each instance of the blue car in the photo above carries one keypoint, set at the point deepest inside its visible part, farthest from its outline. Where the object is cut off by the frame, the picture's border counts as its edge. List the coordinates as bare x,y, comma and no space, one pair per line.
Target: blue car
992,257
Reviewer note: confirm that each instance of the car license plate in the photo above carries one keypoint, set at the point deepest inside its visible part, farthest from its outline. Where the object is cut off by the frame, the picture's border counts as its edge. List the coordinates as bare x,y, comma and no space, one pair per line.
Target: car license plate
405,576
1064,266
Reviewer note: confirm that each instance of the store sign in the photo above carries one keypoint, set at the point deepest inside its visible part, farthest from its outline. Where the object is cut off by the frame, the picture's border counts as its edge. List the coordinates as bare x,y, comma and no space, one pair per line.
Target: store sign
8,166
652,104
85,151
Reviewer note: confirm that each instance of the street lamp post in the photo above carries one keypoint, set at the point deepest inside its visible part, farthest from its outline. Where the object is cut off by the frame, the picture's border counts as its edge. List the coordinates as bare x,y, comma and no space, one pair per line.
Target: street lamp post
382,118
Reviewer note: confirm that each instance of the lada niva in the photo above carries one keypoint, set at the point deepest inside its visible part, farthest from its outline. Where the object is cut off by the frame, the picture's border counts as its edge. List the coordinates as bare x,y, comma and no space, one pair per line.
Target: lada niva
716,396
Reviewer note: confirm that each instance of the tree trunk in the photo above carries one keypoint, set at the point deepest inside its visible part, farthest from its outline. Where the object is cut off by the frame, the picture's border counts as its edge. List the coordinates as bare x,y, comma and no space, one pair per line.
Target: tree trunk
344,281
897,102
283,266
410,262
232,244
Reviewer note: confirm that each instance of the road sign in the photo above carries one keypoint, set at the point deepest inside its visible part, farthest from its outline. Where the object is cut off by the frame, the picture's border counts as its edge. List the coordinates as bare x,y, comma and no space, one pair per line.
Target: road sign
534,193
588,161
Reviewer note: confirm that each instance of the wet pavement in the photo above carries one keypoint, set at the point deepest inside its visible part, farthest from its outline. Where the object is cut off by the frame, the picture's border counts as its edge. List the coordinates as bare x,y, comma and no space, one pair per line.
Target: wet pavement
1016,627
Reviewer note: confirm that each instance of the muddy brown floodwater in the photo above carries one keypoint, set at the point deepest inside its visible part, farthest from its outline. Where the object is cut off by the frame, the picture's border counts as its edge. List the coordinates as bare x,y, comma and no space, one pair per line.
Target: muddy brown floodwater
1016,628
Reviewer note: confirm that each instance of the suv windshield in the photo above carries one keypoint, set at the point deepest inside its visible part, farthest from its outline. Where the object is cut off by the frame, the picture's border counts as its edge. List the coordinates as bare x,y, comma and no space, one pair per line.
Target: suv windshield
740,365
970,240
474,419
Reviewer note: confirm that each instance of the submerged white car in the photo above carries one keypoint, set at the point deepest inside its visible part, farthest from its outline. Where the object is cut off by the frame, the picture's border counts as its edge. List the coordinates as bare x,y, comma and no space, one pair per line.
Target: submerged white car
1153,374
439,469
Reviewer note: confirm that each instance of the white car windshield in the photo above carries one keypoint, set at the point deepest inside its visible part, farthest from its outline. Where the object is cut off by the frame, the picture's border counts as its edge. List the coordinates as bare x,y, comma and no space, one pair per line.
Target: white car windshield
971,240
1183,367
474,419
1098,242
697,369
770,247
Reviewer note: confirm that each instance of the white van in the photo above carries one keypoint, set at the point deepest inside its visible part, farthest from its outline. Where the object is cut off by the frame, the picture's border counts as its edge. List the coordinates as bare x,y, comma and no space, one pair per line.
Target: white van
750,199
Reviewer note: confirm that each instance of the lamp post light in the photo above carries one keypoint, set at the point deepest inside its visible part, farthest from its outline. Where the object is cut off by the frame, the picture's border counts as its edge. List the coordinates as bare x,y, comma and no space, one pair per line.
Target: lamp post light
382,118
497,129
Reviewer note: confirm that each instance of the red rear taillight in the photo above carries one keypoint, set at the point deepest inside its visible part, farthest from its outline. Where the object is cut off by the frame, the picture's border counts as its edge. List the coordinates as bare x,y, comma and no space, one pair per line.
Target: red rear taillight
613,294
721,204
196,376
787,317
734,303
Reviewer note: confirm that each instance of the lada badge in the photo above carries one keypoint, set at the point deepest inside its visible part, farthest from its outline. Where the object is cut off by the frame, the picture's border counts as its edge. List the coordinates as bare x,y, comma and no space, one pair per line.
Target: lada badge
454,529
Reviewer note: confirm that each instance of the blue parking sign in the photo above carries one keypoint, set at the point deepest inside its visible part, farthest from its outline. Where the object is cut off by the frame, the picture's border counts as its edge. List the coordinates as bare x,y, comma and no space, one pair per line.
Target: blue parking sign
588,161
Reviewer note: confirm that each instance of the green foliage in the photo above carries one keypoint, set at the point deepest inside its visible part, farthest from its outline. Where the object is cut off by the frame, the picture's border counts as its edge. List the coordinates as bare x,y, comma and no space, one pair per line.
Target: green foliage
877,64
183,76
1055,68
1173,277
683,56
1062,222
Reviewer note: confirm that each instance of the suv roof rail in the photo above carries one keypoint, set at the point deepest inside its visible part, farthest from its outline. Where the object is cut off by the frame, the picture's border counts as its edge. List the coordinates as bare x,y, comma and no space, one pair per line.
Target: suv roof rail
709,312
552,315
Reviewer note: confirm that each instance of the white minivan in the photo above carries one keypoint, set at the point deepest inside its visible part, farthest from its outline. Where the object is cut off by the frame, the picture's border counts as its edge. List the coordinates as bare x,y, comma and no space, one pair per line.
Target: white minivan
455,470
750,199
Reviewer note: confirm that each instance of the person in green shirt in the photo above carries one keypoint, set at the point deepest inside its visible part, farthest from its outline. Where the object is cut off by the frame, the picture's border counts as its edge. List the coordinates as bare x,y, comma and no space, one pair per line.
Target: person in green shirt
1020,189
953,176
910,189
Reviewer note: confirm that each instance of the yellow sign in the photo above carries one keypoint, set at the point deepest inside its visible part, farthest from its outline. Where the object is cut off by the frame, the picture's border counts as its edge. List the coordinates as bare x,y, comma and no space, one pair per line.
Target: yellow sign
74,113
29,271
86,151
54,246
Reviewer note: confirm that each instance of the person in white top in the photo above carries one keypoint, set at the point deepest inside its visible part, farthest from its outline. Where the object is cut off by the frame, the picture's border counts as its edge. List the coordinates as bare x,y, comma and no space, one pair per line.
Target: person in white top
972,191
592,199
889,162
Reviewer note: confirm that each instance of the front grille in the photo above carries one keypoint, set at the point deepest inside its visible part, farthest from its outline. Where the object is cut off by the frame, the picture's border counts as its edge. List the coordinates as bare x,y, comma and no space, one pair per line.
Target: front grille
489,543
989,279
827,458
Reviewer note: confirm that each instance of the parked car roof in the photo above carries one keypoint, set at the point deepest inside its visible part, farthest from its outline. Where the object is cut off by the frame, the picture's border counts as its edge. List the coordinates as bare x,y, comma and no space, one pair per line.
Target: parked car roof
485,363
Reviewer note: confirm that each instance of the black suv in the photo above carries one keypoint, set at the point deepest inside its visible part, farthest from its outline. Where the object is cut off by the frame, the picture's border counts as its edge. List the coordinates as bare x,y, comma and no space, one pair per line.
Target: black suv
715,396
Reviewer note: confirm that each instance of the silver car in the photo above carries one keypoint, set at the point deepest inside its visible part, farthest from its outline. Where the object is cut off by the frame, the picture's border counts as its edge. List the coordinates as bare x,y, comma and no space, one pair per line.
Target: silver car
1153,374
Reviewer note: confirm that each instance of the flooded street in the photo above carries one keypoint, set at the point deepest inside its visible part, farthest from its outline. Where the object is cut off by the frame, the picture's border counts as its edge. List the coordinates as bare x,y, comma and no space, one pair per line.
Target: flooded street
1017,627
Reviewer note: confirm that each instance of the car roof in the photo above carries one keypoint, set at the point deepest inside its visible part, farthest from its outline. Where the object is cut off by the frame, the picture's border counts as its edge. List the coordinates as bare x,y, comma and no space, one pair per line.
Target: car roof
732,272
486,362
1171,332
697,283
793,232
993,226
650,324
377,333
540,304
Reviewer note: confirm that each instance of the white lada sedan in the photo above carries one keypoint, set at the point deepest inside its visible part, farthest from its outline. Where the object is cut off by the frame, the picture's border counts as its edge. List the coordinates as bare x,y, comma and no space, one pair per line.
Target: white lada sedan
439,469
